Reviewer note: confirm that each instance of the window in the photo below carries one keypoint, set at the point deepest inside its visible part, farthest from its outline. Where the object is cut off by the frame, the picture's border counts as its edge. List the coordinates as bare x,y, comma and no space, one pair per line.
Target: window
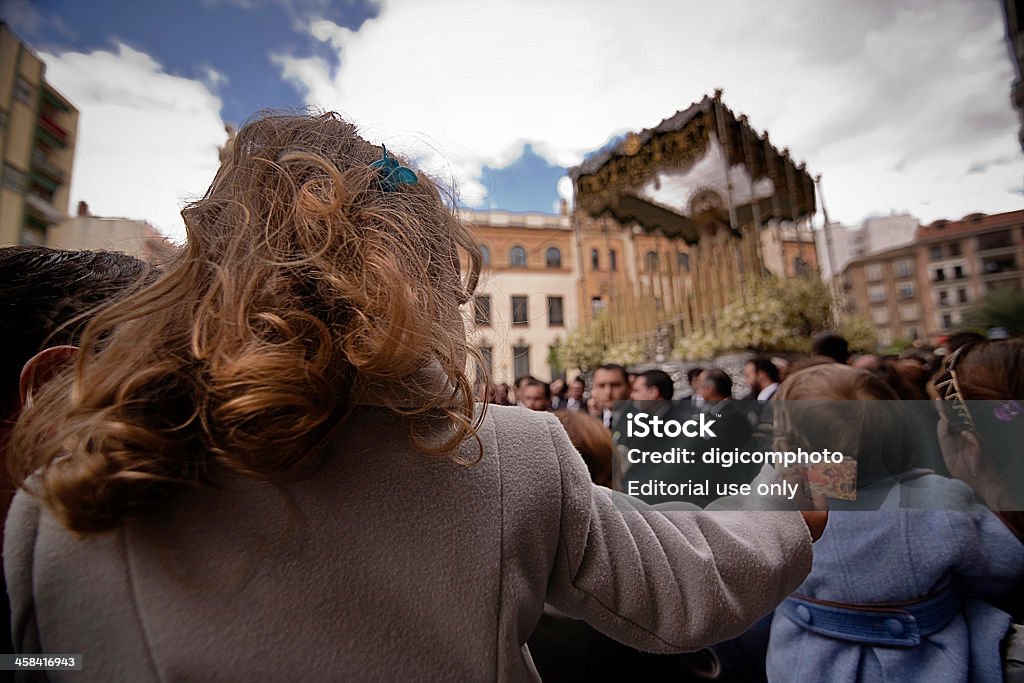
940,275
517,257
909,312
876,294
873,272
943,298
683,261
485,363
903,267
519,313
553,258
954,249
23,91
613,263
958,272
651,261
906,290
482,310
485,254
555,311
595,259
935,253
880,316
13,179
3,120
910,333
961,295
947,321
596,306
520,361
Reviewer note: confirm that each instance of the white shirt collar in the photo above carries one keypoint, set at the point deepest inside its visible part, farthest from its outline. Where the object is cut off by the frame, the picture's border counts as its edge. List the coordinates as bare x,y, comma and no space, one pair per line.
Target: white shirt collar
768,392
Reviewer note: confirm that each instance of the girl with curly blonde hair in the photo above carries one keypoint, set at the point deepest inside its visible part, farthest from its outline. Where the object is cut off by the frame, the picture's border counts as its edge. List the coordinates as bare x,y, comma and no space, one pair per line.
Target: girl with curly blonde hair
268,465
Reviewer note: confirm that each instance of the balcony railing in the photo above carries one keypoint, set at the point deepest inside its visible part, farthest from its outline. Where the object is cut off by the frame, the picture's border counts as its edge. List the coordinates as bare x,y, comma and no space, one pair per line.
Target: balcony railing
53,128
42,208
41,163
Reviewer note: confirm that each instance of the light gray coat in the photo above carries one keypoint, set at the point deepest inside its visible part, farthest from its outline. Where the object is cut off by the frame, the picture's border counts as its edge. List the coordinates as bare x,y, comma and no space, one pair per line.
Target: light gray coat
391,565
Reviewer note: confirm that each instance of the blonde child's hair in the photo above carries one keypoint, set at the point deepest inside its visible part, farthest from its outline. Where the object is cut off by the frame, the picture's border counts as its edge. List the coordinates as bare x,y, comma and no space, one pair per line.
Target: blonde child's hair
305,279
845,409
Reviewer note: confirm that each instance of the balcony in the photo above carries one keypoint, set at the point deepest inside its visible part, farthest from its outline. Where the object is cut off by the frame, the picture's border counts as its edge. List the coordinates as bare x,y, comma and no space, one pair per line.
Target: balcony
998,265
52,99
995,242
40,208
52,127
42,164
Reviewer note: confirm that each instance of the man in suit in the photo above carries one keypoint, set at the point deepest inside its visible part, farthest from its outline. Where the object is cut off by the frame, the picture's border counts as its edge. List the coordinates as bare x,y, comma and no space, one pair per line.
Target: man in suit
653,385
731,428
762,376
611,384
535,395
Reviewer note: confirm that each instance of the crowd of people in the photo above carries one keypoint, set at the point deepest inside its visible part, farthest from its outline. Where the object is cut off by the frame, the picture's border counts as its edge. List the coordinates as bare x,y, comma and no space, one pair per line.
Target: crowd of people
264,460
884,560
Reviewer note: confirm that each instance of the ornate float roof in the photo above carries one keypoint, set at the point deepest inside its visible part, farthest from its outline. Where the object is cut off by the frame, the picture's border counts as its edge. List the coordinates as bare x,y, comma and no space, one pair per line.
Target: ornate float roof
662,177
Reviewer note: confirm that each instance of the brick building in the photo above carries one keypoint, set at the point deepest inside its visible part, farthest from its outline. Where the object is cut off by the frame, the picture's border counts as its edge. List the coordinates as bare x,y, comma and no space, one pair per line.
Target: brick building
922,291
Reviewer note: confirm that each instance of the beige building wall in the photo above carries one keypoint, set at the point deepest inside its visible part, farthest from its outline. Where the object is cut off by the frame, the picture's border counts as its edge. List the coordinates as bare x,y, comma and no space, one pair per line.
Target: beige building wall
535,281
136,238
37,142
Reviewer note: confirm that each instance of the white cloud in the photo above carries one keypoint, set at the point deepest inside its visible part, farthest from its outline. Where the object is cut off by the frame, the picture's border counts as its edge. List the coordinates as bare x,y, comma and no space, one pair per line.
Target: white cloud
892,102
147,141
213,78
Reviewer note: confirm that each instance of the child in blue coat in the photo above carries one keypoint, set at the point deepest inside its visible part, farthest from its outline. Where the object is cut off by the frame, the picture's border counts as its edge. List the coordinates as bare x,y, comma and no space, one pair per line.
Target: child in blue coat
902,577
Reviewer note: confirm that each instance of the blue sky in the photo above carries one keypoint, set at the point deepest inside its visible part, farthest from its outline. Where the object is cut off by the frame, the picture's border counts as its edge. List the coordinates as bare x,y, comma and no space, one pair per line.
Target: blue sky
901,106
189,37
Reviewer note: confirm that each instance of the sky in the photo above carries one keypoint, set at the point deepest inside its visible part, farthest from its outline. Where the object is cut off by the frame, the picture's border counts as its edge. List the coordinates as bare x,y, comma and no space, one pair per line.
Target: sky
901,106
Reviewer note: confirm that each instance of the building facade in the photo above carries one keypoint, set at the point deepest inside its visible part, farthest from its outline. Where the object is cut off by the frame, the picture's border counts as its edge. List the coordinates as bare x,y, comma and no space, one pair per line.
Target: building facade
37,143
525,302
85,231
922,291
875,234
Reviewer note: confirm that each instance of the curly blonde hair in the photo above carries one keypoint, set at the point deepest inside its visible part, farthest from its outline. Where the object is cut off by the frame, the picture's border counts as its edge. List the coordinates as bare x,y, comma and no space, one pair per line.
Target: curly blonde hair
303,282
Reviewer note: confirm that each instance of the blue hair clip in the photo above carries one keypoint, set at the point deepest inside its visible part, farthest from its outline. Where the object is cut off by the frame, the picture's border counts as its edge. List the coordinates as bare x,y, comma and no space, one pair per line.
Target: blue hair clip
392,174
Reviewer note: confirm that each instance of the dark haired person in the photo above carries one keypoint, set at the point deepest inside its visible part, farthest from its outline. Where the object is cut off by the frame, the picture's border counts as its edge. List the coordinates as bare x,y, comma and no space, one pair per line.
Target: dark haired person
732,429
268,464
762,377
652,385
535,395
46,297
610,384
574,400
831,345
693,387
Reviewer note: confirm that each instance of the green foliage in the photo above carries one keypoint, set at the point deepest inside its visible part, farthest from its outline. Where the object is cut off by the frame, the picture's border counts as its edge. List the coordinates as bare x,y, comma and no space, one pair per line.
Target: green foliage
898,346
554,359
859,331
1001,307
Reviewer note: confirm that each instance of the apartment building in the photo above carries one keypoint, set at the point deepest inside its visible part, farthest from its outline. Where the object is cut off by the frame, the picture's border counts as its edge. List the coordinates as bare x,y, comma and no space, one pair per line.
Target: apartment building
922,291
37,144
525,303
